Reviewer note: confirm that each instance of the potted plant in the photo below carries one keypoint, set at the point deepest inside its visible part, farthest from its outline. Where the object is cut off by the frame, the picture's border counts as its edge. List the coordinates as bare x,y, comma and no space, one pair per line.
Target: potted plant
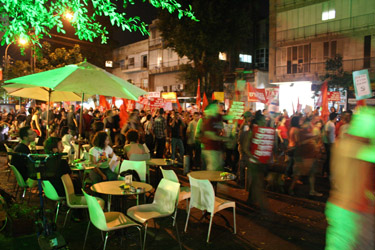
22,217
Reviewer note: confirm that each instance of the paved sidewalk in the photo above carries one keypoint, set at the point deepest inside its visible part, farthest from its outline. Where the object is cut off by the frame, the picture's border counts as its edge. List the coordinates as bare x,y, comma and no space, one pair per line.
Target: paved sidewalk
291,223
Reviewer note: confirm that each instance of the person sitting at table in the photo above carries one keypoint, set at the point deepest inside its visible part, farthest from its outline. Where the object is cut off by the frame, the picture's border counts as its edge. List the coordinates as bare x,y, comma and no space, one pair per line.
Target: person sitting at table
56,166
67,139
99,157
135,150
95,128
20,162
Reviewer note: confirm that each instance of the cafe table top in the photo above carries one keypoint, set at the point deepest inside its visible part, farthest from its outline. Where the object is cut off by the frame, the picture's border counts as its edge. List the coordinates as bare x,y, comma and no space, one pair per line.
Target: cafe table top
210,175
113,187
159,162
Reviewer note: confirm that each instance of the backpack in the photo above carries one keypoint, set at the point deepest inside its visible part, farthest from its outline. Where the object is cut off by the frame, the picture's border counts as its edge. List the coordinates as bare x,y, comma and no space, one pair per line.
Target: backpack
131,172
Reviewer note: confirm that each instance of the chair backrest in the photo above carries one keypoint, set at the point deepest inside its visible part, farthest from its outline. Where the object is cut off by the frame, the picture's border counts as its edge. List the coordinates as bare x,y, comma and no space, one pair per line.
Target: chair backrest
139,166
97,216
68,187
202,194
50,191
9,150
169,175
140,157
21,182
166,195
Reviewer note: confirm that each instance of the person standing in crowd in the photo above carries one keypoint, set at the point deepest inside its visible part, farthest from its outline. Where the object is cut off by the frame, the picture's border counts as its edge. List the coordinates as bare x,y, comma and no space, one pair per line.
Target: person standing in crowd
87,121
160,132
71,119
21,163
213,138
293,141
192,146
99,157
149,134
109,124
176,125
282,133
328,140
244,142
350,209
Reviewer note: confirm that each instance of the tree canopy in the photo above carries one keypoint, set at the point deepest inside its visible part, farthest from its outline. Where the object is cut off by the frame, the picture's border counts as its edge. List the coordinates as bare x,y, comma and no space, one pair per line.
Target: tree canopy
34,19
224,26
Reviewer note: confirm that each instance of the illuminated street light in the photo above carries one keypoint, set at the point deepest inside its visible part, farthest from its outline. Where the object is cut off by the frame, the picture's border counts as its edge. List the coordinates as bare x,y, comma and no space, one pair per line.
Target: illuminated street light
69,16
22,41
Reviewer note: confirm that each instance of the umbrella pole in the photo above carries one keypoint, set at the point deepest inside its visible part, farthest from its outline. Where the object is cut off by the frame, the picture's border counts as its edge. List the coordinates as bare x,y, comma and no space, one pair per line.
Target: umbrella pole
80,128
49,100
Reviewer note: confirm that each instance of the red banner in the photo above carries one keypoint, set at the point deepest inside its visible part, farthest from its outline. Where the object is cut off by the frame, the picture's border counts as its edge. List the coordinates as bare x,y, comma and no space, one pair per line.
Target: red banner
262,143
130,105
256,95
333,96
156,103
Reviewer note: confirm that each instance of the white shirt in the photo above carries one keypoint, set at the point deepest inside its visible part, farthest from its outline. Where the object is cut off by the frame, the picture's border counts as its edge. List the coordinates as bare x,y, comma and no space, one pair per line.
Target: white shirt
329,130
101,155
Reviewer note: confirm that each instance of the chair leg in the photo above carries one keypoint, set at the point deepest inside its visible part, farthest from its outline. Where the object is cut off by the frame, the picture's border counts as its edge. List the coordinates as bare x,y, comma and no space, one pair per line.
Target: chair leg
209,228
144,238
57,210
187,219
105,241
178,235
87,232
140,236
175,216
23,194
234,220
187,205
66,216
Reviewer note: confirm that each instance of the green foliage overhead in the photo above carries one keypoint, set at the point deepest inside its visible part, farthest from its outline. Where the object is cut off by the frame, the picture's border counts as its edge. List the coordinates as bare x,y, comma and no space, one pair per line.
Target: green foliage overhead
34,19
335,75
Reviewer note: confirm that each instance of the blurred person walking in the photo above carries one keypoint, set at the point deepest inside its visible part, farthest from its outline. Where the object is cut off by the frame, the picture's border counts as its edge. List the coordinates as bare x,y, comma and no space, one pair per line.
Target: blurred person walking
328,140
350,209
160,132
176,125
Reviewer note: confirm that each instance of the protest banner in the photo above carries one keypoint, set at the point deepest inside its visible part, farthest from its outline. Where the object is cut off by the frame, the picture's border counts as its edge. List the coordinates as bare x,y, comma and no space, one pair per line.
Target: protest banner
262,144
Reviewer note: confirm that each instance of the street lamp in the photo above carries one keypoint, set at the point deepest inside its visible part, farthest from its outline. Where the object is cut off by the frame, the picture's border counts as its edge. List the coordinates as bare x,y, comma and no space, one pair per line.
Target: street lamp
21,41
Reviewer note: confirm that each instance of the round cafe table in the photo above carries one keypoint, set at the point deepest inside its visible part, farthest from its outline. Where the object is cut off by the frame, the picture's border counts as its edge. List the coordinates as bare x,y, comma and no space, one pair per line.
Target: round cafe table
211,175
155,163
113,188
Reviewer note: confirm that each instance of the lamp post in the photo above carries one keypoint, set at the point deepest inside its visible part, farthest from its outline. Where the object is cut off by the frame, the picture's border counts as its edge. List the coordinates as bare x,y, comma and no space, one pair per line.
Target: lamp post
21,41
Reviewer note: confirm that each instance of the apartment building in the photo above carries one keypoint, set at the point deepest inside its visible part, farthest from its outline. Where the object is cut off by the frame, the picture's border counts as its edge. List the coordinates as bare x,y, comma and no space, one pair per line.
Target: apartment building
149,65
305,33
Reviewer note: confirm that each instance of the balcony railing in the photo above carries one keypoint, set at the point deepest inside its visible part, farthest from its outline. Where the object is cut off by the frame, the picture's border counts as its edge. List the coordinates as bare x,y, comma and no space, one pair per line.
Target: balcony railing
156,41
334,26
319,68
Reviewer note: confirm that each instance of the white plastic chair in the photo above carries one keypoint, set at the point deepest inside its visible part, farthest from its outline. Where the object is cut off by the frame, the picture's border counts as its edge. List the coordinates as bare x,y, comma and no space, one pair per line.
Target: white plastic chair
51,193
139,166
106,221
203,197
164,205
72,200
184,191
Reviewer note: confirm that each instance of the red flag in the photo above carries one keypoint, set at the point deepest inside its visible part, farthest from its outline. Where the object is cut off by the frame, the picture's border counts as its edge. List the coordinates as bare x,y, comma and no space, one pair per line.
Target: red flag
198,101
293,108
324,98
179,106
213,96
299,106
123,114
103,102
205,101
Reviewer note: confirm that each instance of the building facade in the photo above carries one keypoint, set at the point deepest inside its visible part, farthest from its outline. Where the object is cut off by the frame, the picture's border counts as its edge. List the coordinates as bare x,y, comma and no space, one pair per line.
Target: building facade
149,65
305,33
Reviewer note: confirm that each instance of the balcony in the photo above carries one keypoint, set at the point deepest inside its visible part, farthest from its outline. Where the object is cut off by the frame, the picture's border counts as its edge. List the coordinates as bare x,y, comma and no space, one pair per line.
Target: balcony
327,28
131,68
166,67
312,71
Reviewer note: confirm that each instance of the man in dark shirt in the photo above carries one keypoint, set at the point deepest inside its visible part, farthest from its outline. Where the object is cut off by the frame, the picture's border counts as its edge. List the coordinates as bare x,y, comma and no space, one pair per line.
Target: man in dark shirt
71,119
160,131
176,126
21,163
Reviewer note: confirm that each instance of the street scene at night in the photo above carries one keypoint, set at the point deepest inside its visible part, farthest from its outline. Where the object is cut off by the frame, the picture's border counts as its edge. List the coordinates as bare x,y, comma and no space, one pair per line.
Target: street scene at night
187,124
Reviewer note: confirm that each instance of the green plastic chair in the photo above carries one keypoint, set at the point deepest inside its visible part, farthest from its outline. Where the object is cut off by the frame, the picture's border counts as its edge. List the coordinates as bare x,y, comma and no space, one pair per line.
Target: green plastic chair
139,166
106,221
164,205
51,193
20,181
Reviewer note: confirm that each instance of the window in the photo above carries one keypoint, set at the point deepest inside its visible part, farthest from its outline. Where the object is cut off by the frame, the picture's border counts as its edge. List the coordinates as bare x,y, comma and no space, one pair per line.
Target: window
144,61
245,58
131,61
122,64
298,59
329,49
367,52
328,11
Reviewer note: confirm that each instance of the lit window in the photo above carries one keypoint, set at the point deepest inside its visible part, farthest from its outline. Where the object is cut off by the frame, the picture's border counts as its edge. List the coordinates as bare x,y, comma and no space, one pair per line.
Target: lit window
328,11
222,56
245,58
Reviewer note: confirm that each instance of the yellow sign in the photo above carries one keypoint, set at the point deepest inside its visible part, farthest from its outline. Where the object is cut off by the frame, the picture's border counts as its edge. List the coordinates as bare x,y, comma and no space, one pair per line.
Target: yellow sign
219,96
169,95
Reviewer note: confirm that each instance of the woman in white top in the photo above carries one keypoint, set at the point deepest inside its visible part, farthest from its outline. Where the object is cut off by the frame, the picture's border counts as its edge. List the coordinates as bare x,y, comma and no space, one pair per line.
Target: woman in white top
99,156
